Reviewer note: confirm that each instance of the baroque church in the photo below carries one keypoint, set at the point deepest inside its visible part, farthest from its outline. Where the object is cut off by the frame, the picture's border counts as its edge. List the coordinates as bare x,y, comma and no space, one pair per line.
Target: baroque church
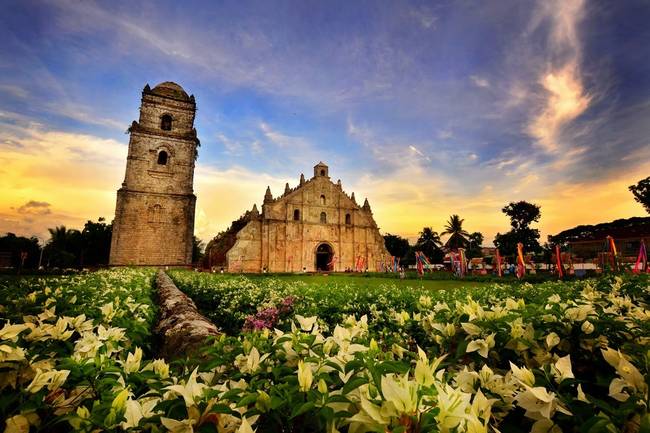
315,226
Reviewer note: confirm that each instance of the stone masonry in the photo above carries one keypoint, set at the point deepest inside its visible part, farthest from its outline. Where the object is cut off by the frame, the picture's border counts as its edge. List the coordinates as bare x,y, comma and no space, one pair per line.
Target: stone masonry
314,226
154,214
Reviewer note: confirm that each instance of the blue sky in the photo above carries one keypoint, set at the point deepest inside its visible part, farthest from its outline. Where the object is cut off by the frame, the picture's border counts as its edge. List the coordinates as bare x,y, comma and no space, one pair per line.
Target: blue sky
426,108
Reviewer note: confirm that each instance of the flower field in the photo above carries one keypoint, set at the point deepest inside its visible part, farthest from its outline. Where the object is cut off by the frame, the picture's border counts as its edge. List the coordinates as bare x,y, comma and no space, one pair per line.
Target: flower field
77,353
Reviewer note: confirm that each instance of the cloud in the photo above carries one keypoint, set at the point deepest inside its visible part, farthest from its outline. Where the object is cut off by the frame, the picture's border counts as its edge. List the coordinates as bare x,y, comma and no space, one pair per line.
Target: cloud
566,100
479,81
564,96
35,208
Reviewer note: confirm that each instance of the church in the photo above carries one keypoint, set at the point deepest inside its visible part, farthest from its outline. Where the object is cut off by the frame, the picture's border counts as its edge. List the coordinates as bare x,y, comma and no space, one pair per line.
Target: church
315,226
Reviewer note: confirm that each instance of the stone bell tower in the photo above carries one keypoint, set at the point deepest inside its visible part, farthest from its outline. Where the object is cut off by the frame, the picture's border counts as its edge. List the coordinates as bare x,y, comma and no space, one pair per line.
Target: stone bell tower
154,215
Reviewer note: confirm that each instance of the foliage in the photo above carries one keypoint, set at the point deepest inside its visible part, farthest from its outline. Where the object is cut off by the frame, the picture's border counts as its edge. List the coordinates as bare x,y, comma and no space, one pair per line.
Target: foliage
553,357
65,347
15,245
475,241
458,235
397,246
521,214
624,227
198,249
430,244
70,247
641,192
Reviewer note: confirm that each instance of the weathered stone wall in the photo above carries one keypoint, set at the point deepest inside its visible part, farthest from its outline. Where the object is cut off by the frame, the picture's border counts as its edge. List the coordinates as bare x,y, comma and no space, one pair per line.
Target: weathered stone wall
154,213
181,327
279,243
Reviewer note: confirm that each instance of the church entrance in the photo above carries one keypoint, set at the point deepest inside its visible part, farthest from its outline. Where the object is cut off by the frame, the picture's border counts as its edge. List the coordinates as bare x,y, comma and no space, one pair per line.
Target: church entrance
324,256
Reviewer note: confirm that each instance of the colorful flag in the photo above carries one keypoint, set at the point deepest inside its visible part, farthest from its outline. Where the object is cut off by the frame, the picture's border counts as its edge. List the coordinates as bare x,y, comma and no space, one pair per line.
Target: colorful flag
558,262
521,264
641,264
499,263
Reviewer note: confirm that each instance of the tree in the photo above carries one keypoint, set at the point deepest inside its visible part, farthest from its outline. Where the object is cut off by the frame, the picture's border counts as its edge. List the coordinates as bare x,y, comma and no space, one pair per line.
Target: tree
197,249
15,245
64,247
429,243
396,245
458,235
521,214
641,192
96,243
475,242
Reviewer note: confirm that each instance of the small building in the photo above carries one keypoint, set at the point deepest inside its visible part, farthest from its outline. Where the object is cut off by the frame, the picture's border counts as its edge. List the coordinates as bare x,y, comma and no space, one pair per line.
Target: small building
587,242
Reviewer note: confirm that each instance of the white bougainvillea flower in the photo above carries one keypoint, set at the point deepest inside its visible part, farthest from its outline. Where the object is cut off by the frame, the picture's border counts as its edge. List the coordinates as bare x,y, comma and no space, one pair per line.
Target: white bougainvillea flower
400,393
628,372
552,340
190,391
538,402
133,414
424,372
581,395
306,323
454,405
17,424
562,369
52,379
305,376
132,363
587,327
471,329
175,426
10,332
523,375
482,346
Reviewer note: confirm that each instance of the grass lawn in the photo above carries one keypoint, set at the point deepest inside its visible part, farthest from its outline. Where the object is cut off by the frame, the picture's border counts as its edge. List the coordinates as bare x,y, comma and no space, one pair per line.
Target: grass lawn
366,282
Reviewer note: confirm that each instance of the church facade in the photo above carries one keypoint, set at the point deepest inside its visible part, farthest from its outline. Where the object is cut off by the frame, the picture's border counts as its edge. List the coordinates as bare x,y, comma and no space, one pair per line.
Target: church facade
315,226
154,213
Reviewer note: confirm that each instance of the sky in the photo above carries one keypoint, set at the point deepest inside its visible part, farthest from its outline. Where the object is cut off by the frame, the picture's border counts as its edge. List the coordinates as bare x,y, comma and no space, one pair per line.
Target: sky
426,108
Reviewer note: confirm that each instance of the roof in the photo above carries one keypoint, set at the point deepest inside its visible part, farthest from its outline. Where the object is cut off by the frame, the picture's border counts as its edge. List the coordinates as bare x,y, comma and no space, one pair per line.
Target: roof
170,89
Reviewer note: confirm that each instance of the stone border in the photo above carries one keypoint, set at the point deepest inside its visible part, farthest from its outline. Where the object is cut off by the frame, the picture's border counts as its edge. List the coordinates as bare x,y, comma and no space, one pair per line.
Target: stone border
182,329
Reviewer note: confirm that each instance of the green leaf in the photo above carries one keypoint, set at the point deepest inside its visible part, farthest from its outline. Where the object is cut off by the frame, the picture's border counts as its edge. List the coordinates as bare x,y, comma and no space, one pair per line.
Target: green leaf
302,409
354,384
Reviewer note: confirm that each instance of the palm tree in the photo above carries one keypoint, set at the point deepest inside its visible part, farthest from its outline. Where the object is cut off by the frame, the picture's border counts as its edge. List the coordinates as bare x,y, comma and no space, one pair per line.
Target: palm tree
458,235
429,238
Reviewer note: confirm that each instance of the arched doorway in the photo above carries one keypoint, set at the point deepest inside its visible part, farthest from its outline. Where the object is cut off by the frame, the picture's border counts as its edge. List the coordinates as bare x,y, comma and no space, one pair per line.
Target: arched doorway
324,256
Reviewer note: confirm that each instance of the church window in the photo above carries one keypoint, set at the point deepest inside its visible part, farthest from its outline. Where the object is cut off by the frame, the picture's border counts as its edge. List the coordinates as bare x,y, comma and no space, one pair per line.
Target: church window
162,158
348,219
296,215
323,217
155,214
166,122
323,200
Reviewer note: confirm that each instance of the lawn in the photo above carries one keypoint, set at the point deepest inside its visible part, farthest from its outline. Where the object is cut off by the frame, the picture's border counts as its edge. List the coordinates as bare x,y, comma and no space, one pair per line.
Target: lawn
365,282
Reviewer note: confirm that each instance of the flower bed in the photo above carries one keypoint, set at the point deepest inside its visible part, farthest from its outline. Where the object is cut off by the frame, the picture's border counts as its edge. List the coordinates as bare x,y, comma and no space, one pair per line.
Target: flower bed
545,358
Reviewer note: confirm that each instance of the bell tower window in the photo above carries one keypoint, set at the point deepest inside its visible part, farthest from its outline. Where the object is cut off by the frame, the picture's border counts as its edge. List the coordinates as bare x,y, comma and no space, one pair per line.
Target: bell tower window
166,122
323,218
162,158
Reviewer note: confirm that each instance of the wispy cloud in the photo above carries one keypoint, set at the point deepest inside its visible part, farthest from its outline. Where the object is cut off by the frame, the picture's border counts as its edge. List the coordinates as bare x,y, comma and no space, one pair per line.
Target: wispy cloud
479,81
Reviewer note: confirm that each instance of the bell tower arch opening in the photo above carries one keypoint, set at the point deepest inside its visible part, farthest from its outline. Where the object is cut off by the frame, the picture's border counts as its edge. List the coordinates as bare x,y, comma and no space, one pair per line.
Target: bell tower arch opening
324,256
